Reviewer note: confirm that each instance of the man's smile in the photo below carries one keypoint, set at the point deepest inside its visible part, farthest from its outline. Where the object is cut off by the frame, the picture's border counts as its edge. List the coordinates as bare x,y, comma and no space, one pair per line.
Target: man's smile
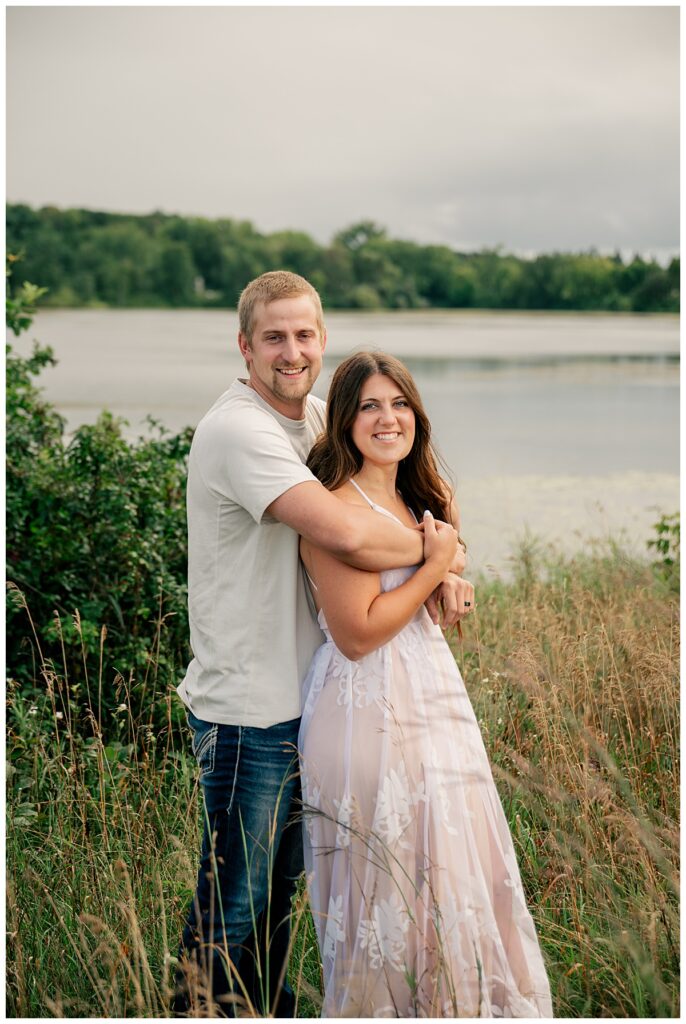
291,371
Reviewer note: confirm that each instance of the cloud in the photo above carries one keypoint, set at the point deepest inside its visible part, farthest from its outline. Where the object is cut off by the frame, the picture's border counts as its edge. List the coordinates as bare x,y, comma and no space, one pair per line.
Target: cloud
538,127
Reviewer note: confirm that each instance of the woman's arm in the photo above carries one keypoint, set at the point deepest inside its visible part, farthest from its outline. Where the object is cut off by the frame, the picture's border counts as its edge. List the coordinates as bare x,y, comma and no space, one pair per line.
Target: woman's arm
361,618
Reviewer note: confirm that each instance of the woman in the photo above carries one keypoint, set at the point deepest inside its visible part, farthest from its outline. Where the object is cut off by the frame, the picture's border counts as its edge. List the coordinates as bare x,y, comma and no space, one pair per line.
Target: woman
412,876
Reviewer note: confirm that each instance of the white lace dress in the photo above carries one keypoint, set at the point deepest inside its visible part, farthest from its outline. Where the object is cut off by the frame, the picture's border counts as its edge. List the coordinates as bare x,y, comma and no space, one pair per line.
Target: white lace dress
411,871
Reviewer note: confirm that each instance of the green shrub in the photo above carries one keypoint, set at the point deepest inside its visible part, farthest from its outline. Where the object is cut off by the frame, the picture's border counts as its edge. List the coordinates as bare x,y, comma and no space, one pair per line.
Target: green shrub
667,547
96,543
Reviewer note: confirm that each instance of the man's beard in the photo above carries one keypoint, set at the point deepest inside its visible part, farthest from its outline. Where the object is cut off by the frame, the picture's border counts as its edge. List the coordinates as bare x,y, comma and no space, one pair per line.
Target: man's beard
293,392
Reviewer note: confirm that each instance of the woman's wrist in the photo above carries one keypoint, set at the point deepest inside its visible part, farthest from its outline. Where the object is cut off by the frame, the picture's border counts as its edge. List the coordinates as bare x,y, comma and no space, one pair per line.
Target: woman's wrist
438,567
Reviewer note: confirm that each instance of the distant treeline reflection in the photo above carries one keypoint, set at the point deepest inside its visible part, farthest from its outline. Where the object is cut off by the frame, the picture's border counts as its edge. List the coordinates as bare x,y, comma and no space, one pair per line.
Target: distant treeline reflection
89,258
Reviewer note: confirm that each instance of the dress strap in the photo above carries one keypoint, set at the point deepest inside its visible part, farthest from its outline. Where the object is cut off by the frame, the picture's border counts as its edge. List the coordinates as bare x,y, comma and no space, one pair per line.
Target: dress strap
309,590
372,504
365,496
311,581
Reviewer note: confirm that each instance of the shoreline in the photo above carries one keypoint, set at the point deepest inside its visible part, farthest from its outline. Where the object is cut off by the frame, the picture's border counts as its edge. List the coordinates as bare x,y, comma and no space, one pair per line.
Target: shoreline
569,513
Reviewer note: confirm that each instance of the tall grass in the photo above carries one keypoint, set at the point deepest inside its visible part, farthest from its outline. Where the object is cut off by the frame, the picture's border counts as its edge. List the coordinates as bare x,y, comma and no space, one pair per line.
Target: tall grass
573,670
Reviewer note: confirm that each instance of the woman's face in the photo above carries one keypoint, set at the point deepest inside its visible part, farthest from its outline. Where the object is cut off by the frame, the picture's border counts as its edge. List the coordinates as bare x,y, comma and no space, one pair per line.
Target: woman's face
383,430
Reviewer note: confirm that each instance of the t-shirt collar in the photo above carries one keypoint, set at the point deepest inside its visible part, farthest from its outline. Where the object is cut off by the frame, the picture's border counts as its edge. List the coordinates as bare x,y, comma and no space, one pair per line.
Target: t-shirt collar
296,425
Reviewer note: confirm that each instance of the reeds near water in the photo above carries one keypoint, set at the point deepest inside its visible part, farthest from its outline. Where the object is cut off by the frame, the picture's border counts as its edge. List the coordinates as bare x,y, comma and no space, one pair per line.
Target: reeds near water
573,670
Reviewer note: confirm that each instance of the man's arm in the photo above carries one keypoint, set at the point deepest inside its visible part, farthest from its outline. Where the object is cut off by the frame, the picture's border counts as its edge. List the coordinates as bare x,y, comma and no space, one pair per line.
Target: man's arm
447,600
460,560
356,535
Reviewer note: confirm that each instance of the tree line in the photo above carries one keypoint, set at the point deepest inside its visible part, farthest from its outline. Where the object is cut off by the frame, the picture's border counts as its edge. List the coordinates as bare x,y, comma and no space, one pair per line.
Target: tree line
92,258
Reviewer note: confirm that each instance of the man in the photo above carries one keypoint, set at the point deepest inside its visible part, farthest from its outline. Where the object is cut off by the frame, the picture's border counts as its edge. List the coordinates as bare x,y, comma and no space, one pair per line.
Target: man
253,635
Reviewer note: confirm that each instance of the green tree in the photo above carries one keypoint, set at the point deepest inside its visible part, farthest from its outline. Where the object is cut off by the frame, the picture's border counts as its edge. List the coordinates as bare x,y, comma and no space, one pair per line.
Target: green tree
655,293
359,235
121,257
339,276
175,274
585,281
205,245
91,257
294,251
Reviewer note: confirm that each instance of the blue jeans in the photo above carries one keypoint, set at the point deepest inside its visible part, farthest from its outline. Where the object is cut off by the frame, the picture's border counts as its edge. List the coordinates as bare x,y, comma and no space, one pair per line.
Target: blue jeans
238,924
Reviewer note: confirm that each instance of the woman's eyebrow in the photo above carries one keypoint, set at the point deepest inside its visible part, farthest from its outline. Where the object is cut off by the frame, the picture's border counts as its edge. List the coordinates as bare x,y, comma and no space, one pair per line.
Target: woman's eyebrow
370,398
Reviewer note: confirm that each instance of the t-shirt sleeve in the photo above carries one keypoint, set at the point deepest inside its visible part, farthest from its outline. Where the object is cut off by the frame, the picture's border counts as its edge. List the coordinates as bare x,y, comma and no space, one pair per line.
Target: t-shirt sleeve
251,461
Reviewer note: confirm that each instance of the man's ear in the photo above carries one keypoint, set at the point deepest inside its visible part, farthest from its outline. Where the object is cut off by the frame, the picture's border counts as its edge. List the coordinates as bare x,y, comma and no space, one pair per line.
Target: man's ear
323,339
244,346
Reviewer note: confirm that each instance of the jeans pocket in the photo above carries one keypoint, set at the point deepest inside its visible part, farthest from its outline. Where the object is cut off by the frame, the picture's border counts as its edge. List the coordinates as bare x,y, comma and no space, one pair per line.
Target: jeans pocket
204,743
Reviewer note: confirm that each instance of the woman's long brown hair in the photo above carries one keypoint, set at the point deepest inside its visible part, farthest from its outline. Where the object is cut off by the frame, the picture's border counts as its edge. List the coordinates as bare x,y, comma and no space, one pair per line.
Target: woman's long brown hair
334,458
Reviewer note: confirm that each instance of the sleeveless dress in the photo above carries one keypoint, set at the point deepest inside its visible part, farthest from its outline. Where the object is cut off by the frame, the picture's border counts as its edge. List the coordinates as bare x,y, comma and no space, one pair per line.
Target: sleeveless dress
411,872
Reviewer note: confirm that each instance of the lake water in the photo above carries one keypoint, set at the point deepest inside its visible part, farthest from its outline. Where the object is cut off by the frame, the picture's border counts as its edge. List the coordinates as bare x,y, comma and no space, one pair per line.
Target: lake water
564,425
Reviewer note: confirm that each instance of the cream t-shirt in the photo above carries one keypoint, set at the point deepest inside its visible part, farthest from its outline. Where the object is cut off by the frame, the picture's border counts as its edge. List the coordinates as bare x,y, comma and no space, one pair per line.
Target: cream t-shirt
253,633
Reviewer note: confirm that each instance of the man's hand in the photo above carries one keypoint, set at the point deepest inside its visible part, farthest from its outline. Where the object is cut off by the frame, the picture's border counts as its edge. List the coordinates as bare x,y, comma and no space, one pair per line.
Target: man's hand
454,598
460,560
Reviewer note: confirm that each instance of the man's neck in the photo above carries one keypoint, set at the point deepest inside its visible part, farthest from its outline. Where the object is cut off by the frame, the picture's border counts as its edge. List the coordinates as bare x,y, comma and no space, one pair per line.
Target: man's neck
291,410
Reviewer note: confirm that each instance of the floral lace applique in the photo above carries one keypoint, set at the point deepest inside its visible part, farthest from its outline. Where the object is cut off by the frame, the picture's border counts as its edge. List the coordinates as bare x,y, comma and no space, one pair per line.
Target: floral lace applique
449,919
383,934
395,805
410,641
310,812
334,927
360,682
514,881
348,820
369,686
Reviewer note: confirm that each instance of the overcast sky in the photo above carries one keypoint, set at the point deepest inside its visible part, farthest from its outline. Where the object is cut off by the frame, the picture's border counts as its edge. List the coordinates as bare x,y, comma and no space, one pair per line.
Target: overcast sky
535,128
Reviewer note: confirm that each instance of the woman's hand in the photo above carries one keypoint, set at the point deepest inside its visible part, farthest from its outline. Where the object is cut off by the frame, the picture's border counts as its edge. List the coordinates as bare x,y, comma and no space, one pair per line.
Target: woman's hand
451,601
440,542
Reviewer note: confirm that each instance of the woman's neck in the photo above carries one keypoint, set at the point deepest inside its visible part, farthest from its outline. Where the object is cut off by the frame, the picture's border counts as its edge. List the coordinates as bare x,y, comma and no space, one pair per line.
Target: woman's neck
380,480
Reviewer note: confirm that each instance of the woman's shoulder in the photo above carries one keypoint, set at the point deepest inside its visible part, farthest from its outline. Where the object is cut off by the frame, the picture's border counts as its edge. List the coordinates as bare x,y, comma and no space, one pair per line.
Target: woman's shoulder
346,492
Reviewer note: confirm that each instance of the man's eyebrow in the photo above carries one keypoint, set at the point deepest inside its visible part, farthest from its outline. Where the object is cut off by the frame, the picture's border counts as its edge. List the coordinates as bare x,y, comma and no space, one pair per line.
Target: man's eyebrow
281,330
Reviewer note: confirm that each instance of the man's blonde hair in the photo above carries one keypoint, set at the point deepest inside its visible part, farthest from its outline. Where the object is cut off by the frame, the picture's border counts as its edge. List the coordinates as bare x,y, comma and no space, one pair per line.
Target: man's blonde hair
275,284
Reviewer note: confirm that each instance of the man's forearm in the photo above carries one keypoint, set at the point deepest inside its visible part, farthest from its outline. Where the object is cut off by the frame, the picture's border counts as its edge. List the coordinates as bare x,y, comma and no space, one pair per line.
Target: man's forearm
459,561
354,534
380,543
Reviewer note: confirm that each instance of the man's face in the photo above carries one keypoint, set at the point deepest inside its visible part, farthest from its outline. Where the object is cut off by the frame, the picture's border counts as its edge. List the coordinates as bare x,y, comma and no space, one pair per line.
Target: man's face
284,356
